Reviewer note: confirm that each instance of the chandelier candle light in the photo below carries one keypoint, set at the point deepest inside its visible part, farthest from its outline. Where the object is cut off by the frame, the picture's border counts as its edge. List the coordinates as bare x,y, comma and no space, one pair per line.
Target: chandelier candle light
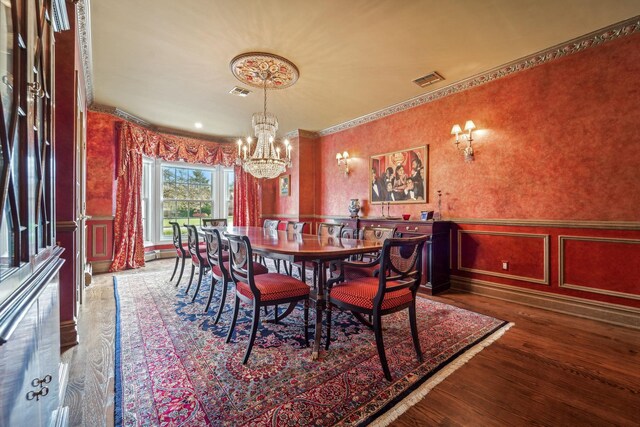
267,71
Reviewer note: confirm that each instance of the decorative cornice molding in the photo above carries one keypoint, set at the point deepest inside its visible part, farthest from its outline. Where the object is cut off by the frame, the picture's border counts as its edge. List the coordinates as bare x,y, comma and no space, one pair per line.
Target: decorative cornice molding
596,38
100,108
116,112
302,133
83,22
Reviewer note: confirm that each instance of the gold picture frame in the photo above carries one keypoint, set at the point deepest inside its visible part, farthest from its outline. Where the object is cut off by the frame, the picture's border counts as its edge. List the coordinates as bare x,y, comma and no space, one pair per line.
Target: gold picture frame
285,185
399,177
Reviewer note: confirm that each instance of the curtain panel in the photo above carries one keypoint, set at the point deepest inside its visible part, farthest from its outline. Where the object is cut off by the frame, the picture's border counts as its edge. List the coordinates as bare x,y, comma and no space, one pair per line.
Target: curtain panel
133,143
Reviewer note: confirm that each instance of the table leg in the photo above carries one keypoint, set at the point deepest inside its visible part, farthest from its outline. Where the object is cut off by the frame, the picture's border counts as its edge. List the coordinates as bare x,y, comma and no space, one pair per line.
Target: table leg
319,310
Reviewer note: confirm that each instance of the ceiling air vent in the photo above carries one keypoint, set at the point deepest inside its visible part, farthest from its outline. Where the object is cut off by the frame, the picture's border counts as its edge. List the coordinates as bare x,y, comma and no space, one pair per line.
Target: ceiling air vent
429,79
239,91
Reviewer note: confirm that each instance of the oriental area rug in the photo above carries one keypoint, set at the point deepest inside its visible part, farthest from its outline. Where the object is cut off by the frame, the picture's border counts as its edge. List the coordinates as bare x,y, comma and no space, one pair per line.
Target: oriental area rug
173,367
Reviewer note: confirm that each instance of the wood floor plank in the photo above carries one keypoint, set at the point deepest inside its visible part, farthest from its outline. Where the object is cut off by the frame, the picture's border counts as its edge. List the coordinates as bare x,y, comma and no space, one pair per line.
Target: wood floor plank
549,369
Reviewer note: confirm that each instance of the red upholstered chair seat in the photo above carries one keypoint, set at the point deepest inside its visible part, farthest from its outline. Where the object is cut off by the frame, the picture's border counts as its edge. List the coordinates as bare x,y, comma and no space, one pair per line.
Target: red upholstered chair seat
203,254
360,293
274,286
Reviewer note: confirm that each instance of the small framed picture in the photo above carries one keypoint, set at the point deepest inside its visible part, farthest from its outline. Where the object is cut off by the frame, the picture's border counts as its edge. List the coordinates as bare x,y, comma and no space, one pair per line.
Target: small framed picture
285,184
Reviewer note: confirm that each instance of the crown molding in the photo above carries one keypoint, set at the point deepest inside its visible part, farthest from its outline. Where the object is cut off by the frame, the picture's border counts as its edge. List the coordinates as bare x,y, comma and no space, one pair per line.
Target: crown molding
83,20
114,111
302,133
596,38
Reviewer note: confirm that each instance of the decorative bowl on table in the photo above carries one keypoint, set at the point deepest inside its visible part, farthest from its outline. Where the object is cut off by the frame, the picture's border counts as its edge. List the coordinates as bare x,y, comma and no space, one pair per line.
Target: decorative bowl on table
406,216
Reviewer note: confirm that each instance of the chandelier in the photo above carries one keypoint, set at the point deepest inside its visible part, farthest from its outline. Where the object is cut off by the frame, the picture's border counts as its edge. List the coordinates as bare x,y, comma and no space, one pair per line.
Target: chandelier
265,159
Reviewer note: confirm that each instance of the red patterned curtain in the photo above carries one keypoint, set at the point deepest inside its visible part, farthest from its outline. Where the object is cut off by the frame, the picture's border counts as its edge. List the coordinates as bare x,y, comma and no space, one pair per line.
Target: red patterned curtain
127,227
133,142
246,199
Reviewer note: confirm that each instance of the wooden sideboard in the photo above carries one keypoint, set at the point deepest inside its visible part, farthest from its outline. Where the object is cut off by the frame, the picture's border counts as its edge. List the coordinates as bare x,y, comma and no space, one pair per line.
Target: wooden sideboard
435,258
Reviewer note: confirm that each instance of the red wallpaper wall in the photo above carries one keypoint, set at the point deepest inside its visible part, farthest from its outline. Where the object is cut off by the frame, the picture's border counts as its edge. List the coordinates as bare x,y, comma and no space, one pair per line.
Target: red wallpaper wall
554,142
101,164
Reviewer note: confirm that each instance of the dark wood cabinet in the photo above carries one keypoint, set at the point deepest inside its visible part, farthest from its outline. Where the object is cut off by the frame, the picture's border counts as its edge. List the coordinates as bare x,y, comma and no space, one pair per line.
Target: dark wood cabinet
30,379
435,258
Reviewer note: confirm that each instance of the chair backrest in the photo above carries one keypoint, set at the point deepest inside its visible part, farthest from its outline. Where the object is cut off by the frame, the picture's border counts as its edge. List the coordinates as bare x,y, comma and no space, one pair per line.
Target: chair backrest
177,237
214,222
241,261
214,251
329,230
295,227
193,244
271,224
349,233
378,234
400,266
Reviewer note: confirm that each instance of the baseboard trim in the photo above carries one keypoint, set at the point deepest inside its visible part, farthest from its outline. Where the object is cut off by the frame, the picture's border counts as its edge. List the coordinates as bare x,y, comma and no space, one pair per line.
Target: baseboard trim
594,310
98,267
69,333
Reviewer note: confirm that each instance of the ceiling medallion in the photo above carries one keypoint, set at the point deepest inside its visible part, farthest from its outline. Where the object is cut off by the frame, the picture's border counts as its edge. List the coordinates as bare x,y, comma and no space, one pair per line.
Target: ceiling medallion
256,68
265,159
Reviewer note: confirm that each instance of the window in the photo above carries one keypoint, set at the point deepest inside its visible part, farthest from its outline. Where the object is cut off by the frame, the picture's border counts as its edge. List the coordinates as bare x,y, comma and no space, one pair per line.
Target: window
183,193
147,220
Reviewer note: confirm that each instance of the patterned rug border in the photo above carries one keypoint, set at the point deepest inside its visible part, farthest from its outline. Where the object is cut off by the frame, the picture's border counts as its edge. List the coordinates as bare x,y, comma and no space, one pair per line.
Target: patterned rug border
385,415
117,363
418,391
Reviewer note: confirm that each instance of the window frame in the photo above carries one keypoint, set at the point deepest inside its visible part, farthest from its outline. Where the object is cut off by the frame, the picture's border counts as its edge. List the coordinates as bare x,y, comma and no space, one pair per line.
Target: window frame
219,196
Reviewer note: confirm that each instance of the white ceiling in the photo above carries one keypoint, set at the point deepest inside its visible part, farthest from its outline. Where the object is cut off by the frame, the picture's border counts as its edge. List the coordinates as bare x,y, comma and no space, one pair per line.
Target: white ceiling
167,62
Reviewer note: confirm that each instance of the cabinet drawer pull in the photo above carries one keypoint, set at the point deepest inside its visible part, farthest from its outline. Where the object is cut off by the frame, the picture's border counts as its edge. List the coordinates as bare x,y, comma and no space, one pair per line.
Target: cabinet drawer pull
37,394
409,229
37,382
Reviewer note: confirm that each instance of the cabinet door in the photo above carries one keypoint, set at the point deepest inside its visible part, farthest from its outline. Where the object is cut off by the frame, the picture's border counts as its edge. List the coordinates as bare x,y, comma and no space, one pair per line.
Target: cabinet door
19,366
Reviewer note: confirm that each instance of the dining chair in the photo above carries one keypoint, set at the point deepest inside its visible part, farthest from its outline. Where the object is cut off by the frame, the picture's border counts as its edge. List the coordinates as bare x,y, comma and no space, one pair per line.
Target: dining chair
295,227
214,222
292,228
270,225
199,258
218,259
366,265
182,251
262,290
324,230
393,290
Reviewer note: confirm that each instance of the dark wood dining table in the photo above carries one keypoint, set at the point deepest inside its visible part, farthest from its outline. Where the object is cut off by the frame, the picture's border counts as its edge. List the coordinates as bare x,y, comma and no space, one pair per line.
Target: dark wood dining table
295,247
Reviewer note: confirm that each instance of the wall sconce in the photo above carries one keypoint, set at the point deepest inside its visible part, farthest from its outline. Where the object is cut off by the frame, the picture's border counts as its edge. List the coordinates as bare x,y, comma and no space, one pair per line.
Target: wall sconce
468,127
343,161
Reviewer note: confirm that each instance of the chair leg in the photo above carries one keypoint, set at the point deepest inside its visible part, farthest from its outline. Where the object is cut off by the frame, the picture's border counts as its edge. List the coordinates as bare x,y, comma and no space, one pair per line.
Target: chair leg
200,274
181,271
175,268
306,322
193,270
233,320
212,288
414,330
315,275
326,345
377,330
254,329
223,299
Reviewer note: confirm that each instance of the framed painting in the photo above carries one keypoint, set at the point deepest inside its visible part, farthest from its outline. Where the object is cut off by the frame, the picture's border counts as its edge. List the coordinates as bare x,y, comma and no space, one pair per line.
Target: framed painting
399,177
285,184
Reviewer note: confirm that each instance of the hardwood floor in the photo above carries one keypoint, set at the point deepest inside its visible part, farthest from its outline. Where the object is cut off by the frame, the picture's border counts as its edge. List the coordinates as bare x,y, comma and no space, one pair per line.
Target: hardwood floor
548,369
